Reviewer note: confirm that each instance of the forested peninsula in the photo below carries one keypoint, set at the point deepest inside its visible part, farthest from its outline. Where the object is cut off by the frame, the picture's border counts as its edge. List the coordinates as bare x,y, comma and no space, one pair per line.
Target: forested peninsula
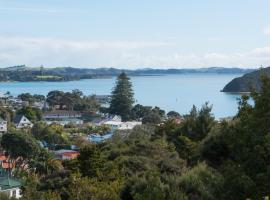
23,73
247,82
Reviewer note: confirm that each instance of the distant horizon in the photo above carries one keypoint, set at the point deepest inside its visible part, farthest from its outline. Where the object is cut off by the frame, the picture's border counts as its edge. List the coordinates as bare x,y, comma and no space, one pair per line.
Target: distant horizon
136,68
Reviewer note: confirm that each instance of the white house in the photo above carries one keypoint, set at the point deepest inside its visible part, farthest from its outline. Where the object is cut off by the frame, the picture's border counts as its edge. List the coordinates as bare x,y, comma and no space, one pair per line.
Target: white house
112,118
3,126
64,122
21,121
63,117
116,125
129,125
61,114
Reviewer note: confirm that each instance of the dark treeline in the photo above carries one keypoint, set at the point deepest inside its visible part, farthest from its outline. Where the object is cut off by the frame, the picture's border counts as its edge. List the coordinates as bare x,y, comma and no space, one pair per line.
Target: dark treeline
24,74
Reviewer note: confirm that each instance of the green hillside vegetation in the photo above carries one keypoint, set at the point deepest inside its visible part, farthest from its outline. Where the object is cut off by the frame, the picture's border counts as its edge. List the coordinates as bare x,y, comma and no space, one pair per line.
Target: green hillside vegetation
248,82
23,73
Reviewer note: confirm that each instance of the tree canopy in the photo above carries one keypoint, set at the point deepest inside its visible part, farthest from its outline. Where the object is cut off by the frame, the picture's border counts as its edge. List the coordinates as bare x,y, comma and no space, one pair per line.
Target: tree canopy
122,97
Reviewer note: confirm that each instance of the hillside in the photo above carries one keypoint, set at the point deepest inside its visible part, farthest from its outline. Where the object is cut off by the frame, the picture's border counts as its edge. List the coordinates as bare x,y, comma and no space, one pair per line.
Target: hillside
246,82
23,73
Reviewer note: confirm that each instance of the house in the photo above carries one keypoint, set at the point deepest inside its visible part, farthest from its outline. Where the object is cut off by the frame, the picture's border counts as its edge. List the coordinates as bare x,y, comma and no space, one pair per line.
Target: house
3,126
65,122
63,117
21,121
40,105
111,118
10,186
3,99
129,125
116,125
61,114
65,154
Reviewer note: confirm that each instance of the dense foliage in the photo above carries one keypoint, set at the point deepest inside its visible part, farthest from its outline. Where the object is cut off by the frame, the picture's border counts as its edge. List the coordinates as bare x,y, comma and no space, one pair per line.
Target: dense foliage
199,158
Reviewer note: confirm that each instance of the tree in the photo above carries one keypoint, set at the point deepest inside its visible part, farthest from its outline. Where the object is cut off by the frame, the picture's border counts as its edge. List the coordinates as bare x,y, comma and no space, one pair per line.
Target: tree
26,97
54,98
20,145
122,97
198,123
33,114
173,114
152,118
90,161
139,111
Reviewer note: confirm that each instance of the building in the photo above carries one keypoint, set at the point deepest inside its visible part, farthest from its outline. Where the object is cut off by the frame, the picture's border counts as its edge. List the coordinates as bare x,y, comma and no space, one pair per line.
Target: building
21,121
116,125
8,185
65,154
3,126
61,114
64,122
63,117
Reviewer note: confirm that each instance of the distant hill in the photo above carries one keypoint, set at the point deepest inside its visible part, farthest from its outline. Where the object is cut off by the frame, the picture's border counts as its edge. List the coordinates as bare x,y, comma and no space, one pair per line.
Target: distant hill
246,82
24,73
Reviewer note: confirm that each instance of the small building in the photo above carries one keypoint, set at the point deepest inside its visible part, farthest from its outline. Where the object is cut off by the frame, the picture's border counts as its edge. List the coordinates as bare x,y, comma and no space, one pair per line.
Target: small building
10,186
3,125
111,118
21,121
65,154
65,122
116,125
63,117
61,114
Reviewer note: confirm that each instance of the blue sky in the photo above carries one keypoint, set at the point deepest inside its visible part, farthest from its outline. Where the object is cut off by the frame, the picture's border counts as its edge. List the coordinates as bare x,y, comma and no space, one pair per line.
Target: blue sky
135,34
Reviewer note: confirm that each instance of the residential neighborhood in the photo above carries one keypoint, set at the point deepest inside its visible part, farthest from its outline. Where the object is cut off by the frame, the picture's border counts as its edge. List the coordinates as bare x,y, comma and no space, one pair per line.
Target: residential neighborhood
56,128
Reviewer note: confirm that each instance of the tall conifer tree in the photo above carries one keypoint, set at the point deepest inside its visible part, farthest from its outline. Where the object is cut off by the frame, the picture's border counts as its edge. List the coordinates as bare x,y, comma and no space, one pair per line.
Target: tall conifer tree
122,97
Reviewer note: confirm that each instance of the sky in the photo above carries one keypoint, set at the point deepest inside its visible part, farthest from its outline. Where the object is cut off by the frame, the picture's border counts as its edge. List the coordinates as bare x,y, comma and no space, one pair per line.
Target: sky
135,34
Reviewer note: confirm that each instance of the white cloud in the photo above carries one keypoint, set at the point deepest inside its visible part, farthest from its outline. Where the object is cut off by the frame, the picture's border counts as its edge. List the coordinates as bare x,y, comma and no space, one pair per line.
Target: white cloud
266,30
128,54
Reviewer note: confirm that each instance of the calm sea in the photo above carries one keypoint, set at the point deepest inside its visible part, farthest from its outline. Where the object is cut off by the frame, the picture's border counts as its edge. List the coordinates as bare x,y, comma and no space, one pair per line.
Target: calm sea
170,92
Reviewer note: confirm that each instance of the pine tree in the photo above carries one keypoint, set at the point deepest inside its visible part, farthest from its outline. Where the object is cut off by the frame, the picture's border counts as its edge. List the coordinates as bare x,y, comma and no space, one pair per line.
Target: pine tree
122,97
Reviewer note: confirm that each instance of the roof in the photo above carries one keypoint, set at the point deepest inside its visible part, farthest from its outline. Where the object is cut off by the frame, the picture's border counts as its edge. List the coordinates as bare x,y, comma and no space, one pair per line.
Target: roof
7,182
65,151
17,119
1,119
70,153
116,123
7,165
2,157
62,112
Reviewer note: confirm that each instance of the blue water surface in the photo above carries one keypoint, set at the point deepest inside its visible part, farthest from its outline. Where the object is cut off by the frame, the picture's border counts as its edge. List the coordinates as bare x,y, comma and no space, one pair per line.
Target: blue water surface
170,92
